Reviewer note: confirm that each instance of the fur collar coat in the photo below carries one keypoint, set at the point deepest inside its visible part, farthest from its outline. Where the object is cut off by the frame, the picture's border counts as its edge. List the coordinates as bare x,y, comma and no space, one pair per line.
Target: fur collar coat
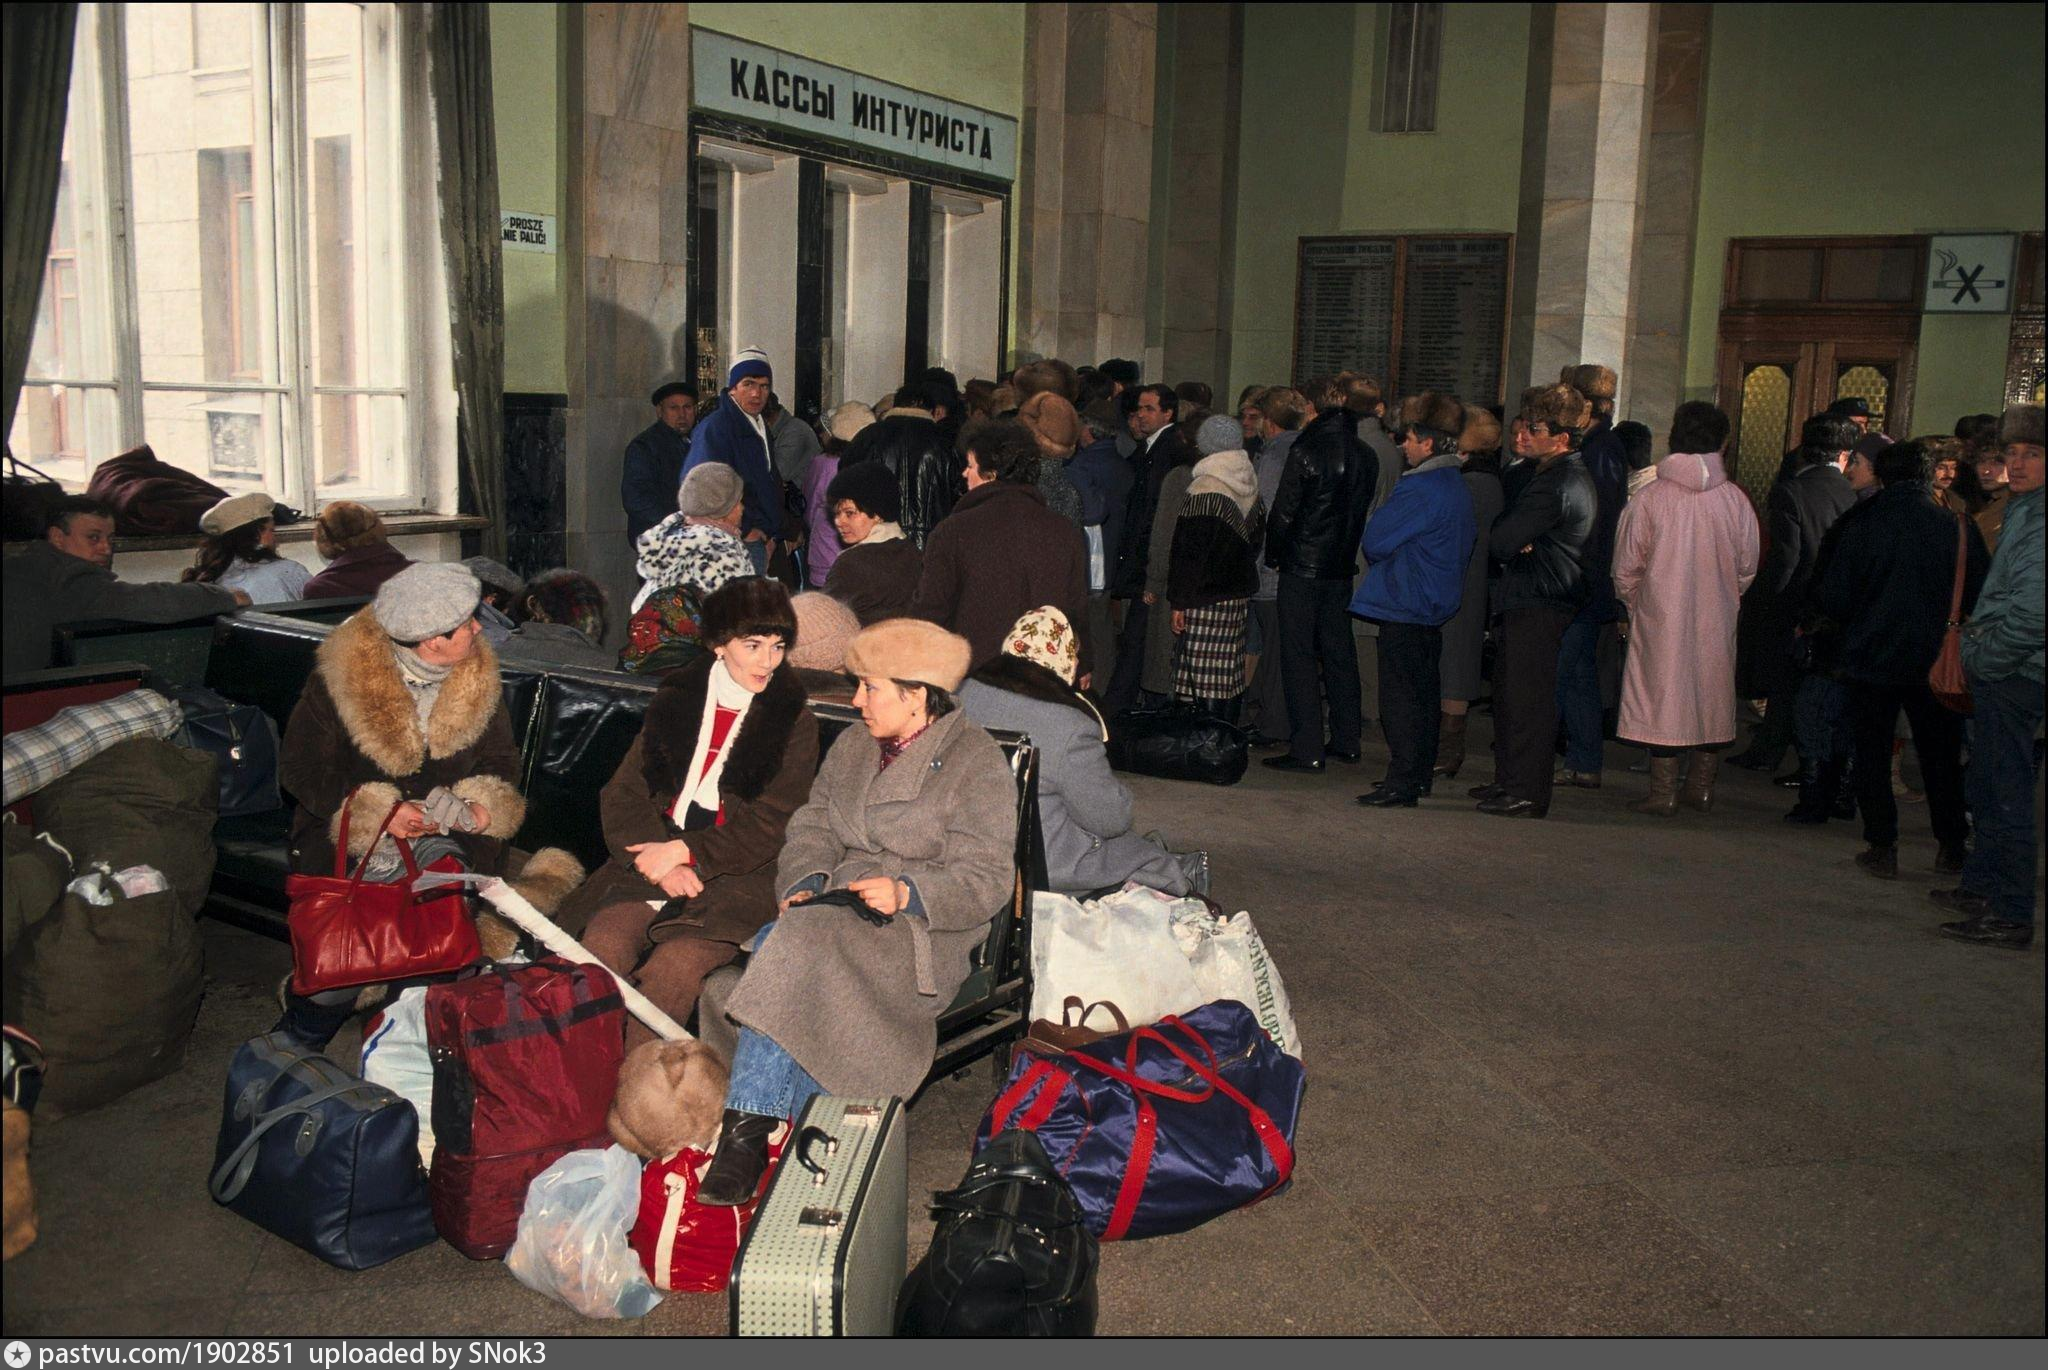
767,778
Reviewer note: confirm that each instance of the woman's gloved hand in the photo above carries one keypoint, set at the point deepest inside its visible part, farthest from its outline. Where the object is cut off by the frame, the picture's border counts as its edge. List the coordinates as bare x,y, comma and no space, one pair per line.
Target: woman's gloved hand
449,812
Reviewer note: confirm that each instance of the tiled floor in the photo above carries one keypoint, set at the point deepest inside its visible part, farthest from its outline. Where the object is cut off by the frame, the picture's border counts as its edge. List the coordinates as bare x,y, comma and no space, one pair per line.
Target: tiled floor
1598,1074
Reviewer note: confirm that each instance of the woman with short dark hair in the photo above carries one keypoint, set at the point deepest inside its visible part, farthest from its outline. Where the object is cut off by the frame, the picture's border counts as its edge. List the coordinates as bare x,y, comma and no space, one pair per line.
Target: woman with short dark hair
695,814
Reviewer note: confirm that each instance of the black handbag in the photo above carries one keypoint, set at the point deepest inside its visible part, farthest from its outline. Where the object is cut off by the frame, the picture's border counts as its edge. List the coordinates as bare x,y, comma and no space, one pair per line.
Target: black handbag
1180,742
319,1157
1011,1256
243,739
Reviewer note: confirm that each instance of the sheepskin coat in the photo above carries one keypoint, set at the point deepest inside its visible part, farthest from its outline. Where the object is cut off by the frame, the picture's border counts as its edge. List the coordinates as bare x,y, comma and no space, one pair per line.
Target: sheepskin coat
1685,550
840,994
355,729
767,778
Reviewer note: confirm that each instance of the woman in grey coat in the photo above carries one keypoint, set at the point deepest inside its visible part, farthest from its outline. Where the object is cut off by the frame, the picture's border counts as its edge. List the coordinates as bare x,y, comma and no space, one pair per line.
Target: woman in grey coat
1084,811
1465,634
913,817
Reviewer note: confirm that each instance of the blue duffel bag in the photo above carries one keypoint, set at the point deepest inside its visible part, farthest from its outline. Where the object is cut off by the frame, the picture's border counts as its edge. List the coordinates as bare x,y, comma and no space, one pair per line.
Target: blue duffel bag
319,1157
1161,1128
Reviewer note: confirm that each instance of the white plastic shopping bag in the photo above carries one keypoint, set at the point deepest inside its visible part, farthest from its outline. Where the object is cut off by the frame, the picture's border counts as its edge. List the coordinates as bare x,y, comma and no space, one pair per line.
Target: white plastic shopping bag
572,1243
1121,949
1230,961
395,1056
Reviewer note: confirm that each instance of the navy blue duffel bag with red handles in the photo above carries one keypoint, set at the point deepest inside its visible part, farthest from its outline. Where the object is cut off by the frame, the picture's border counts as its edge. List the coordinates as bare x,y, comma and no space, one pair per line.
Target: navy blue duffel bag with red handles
1161,1128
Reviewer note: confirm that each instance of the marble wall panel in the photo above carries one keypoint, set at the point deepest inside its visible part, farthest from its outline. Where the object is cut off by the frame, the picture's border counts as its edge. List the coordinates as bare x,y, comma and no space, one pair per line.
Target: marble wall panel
1085,181
1561,264
1080,248
1618,164
1628,34
1576,40
1610,256
1663,265
1124,246
1671,195
622,170
1127,169
1572,143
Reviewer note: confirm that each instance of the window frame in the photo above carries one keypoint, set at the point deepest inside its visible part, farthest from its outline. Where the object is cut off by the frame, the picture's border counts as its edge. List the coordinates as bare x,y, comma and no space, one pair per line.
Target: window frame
281,150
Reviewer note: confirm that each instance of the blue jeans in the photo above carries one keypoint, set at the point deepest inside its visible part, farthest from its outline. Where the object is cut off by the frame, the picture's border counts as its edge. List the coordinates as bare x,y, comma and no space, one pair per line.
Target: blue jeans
1823,721
2000,784
766,1079
1578,694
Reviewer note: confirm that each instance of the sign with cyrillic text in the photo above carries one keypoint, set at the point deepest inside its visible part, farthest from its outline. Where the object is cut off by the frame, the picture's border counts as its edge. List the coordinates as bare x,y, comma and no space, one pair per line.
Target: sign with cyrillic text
733,76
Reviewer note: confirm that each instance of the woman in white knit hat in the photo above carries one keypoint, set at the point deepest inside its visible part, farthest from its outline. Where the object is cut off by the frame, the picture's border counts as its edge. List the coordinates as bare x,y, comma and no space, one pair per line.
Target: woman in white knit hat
240,551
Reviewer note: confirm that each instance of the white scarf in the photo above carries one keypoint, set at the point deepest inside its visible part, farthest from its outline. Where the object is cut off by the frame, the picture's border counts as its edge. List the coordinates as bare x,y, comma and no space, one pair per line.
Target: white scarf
724,692
881,533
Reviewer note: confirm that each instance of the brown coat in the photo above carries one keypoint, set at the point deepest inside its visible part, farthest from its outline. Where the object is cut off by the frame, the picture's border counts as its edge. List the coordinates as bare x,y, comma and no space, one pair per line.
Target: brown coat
355,728
767,778
877,580
840,994
1000,554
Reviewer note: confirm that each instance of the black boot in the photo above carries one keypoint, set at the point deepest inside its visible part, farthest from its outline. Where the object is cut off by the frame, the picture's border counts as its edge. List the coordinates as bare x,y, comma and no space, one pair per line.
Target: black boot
1817,788
736,1168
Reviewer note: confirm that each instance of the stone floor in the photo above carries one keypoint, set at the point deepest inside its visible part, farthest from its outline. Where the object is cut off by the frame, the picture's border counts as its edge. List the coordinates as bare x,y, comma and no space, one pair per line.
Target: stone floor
1599,1074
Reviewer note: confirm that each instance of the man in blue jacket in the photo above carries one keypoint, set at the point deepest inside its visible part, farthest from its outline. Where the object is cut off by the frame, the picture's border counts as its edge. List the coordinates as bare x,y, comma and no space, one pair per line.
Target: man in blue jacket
1416,548
2003,655
737,436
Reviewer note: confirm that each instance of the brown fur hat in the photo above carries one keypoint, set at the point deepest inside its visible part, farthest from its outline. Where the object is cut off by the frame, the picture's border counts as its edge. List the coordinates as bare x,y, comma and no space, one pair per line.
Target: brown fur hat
1593,381
344,525
745,607
2022,423
1559,407
1434,410
671,1095
911,649
1481,432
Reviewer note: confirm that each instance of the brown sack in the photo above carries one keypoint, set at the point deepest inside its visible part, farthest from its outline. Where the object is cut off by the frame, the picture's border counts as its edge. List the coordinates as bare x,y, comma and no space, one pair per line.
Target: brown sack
20,1205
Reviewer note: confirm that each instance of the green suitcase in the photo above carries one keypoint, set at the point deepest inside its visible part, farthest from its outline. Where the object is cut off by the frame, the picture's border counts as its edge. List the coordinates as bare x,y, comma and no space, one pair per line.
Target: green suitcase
826,1253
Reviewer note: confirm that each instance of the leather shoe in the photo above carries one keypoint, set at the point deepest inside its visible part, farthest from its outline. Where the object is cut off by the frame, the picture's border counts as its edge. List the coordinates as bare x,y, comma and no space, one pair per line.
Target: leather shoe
1349,758
1991,932
1578,780
1290,762
1487,791
1949,860
1968,903
741,1159
1505,805
1882,862
1383,797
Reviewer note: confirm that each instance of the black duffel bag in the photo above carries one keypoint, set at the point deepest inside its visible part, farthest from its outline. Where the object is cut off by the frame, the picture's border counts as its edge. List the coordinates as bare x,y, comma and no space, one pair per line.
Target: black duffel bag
1011,1256
242,738
1180,742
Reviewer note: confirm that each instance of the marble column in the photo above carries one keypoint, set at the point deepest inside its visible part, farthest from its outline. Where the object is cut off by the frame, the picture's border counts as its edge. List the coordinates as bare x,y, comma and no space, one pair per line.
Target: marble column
1663,264
1585,135
1201,194
631,205
1085,183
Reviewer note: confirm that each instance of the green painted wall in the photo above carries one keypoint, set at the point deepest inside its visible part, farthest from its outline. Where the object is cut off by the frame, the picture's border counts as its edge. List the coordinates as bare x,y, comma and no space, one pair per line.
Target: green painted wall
970,53
1309,164
526,94
1921,118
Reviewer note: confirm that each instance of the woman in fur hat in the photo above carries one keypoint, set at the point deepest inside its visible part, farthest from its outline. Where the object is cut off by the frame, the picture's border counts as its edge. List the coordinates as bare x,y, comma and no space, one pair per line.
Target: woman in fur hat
914,818
1084,810
1213,569
352,540
404,709
694,816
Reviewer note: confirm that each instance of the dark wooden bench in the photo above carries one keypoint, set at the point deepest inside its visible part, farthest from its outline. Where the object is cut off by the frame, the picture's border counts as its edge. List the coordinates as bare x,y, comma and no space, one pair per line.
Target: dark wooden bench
176,653
573,727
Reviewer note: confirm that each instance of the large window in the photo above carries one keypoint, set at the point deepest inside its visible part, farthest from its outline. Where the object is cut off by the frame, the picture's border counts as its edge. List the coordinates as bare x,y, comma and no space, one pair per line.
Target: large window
239,271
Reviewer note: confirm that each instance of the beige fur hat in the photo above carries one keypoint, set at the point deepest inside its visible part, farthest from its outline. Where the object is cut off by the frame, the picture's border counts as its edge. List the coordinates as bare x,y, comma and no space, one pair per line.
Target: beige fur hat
1593,381
1481,432
824,630
911,649
845,422
1434,409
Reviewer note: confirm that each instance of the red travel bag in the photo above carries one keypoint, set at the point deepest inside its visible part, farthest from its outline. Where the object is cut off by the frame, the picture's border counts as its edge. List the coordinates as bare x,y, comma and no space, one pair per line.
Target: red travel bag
526,1059
685,1246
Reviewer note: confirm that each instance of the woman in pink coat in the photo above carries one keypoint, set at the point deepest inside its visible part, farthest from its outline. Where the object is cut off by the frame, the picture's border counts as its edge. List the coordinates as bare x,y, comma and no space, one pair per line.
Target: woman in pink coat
1685,550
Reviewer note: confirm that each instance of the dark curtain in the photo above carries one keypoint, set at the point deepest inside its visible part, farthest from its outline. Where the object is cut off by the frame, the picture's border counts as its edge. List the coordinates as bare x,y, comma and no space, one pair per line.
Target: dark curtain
37,78
459,43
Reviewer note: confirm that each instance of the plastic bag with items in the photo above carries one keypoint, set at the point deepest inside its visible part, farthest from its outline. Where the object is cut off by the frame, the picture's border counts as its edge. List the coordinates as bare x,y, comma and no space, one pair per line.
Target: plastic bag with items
572,1243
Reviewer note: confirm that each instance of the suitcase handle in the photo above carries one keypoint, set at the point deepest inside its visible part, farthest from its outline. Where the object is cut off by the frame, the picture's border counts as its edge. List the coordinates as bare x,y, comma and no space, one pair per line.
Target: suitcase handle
804,1141
234,1172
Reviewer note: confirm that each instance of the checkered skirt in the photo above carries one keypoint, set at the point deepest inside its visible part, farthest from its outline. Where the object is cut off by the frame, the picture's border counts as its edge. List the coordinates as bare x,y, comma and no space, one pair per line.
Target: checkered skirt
1210,661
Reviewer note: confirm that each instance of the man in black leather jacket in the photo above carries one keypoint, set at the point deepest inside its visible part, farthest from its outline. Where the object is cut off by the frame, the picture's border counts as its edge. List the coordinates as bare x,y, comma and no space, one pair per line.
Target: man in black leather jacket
1312,536
1544,540
907,440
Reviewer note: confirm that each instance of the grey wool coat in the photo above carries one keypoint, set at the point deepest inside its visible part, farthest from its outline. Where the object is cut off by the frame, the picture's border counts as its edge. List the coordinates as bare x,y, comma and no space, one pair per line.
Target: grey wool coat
1084,811
840,994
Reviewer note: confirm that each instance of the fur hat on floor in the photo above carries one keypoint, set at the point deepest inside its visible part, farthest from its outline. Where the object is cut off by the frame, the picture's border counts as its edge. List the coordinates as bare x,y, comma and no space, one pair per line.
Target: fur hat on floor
2022,423
825,628
910,649
671,1095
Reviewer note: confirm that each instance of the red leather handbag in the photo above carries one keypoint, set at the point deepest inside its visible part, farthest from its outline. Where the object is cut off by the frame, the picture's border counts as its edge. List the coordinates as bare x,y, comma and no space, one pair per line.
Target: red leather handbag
350,931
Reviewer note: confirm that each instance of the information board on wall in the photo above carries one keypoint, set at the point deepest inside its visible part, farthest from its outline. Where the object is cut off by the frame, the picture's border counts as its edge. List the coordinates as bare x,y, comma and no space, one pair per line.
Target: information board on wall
1344,307
1414,313
1454,301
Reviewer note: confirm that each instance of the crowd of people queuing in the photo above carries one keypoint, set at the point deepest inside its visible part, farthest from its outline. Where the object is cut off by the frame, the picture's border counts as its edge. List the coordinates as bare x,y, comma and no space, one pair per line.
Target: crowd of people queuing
1046,553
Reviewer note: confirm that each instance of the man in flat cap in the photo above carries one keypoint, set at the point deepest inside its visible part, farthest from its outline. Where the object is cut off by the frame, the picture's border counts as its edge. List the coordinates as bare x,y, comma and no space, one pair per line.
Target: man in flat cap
655,460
